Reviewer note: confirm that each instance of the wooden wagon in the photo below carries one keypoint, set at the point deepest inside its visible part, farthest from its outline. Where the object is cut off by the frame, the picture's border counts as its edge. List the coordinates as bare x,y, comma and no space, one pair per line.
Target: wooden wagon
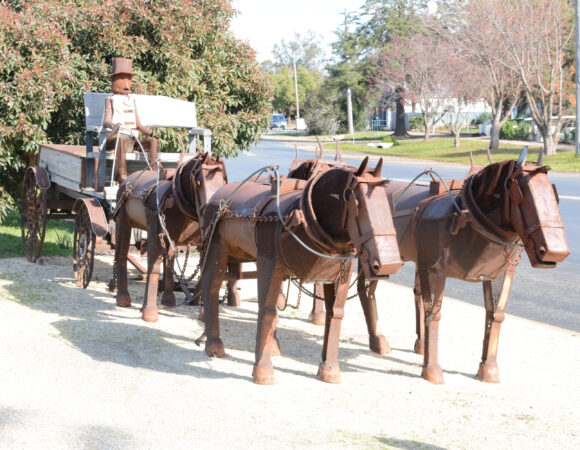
76,182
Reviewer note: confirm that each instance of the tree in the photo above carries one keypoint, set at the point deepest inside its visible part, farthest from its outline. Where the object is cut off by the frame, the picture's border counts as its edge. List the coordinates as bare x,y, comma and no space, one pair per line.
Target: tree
463,86
535,36
304,50
284,99
54,50
419,66
380,21
468,30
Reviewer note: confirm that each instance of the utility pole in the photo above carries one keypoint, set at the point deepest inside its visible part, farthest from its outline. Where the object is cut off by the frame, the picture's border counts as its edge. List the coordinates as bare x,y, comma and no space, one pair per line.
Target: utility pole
577,77
349,112
348,91
296,90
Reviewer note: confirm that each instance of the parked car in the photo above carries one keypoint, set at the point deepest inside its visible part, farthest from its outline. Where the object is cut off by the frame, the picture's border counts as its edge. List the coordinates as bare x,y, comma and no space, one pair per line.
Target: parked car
278,121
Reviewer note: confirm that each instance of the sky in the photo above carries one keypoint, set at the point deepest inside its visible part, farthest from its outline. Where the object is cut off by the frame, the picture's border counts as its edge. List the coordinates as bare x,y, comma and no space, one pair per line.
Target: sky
265,23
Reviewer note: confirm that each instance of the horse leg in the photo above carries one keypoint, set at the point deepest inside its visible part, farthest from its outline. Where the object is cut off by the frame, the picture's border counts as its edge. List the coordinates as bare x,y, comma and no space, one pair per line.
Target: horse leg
213,274
377,342
149,312
168,297
317,316
122,239
233,296
495,294
269,285
419,316
432,287
329,370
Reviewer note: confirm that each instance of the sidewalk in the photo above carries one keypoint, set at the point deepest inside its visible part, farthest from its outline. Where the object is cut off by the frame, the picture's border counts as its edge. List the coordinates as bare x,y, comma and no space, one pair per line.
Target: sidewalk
78,372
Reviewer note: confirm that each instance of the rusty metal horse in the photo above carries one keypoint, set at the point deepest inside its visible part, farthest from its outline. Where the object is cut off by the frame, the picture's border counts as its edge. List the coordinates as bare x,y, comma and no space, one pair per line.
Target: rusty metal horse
170,210
475,234
304,229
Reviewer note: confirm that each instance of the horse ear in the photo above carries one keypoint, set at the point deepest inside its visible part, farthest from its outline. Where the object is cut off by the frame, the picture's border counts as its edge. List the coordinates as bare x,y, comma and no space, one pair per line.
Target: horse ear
540,155
377,171
489,155
362,167
321,154
522,158
471,168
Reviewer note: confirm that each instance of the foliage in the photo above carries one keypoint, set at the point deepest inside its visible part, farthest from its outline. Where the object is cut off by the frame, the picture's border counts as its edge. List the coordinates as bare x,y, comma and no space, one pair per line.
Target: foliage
54,50
322,112
6,204
309,81
304,50
515,130
482,118
416,122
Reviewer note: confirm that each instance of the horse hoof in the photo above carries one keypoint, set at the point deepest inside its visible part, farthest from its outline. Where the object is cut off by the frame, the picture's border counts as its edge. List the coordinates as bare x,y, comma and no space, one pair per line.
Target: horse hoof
329,373
150,314
263,375
433,374
233,297
379,344
317,318
168,299
215,347
123,299
419,347
488,372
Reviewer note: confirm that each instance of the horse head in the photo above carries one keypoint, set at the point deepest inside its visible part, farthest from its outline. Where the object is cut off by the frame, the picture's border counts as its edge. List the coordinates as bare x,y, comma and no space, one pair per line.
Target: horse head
349,208
527,203
196,180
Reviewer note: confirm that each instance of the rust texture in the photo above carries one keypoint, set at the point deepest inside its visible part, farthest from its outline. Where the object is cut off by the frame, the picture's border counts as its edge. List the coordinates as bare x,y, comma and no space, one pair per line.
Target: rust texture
339,213
170,210
499,211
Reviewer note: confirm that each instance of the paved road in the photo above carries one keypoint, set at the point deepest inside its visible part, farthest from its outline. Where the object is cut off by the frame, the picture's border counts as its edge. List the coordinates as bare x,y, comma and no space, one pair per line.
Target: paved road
548,296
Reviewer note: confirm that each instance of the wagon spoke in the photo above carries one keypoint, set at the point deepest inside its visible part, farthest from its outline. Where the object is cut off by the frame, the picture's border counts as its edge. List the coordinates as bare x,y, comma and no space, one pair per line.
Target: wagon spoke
83,248
33,217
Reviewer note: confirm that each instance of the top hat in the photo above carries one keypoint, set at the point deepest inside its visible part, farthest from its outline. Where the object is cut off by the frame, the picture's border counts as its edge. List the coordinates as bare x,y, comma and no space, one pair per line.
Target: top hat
122,66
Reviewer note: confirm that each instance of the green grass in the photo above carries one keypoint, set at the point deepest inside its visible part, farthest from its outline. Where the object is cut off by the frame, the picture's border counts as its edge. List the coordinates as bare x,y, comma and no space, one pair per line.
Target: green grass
442,149
57,242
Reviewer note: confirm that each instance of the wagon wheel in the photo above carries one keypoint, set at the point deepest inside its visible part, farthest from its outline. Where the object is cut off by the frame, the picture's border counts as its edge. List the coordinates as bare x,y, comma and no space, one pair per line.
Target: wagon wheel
83,247
32,217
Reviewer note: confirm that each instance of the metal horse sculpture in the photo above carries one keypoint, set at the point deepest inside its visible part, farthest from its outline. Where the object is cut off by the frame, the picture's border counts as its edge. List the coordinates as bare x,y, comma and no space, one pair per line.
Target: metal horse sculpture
335,213
472,234
170,211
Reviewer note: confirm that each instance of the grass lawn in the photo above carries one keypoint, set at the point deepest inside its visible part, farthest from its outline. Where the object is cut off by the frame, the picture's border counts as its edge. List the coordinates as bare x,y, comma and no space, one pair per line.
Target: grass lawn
58,240
442,149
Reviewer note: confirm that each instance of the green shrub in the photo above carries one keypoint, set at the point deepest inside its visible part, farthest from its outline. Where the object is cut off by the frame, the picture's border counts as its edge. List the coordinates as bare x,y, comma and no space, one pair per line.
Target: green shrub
416,122
515,130
482,118
392,140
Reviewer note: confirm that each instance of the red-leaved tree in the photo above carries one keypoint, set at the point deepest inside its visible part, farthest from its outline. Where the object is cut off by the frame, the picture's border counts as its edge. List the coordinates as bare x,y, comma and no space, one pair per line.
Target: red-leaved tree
54,50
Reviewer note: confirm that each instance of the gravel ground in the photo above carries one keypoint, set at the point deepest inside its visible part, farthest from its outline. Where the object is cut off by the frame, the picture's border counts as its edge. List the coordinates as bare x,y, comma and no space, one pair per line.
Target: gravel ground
78,372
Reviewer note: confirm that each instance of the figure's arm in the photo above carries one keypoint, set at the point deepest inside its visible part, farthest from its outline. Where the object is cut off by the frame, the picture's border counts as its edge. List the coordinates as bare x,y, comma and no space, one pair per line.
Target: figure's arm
142,128
108,120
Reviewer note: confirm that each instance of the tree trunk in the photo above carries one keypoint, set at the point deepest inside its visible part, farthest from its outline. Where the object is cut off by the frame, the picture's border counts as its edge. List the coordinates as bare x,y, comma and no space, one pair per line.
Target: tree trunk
494,134
549,144
456,139
427,129
400,125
